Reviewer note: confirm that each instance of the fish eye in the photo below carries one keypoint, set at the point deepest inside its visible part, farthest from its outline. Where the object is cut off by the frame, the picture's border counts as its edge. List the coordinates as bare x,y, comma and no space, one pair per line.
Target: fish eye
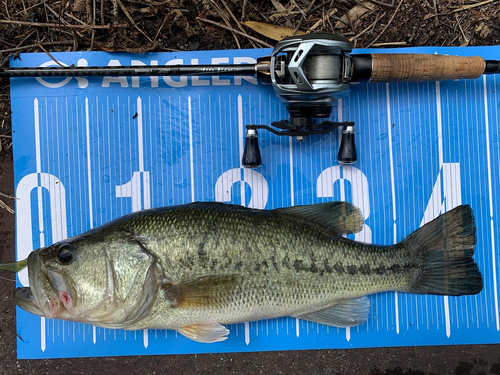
66,253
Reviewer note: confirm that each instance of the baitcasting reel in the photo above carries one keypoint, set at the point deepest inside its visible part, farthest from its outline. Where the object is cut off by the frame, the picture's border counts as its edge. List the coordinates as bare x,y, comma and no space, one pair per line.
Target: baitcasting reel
308,73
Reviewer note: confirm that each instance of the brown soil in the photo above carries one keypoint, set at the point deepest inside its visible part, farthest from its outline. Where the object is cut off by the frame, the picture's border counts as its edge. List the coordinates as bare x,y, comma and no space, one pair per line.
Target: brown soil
166,25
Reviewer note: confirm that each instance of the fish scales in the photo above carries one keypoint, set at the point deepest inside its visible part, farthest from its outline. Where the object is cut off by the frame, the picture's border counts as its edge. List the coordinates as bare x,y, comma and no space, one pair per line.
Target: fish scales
287,265
197,266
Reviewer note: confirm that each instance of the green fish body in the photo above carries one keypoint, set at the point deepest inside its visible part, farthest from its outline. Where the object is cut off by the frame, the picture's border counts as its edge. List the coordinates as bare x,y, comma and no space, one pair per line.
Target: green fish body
195,267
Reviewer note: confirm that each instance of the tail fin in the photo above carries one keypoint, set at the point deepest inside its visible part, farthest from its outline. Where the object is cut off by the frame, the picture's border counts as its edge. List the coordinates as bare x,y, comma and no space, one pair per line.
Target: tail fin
443,249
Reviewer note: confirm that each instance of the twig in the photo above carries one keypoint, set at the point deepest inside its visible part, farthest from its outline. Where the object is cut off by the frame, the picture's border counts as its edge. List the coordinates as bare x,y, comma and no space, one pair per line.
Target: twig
59,16
466,40
320,5
3,194
58,43
80,27
368,28
26,38
10,329
237,22
102,12
381,3
24,8
226,21
436,18
331,26
88,10
243,10
93,31
115,11
470,6
300,10
47,6
6,9
132,21
322,20
386,26
61,10
74,18
304,15
161,27
465,7
451,43
31,7
235,31
6,207
402,43
48,54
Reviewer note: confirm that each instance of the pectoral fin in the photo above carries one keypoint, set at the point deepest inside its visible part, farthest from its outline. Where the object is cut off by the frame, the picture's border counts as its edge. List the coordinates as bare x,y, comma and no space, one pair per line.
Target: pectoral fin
207,333
346,313
207,291
341,217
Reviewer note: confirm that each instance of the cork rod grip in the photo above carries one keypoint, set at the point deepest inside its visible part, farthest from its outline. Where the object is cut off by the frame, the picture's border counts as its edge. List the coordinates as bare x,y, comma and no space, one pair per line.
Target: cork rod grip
412,67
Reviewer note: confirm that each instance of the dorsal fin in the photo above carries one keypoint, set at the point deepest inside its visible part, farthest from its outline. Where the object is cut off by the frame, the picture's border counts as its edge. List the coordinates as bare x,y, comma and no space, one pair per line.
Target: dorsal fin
342,217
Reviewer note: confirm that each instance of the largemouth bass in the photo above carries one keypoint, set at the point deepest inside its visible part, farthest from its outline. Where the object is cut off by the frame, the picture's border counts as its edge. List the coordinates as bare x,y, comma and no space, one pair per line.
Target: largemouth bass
195,267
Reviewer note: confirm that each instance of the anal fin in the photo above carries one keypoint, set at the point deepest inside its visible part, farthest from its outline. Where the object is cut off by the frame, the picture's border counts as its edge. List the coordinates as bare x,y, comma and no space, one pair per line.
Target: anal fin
346,313
206,332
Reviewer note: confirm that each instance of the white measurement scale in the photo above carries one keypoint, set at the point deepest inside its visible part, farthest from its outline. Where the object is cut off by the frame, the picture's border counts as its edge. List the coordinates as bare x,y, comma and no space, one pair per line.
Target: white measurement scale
88,150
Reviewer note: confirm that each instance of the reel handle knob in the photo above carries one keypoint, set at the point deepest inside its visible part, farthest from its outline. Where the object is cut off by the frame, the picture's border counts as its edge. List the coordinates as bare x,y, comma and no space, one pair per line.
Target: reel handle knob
347,150
251,154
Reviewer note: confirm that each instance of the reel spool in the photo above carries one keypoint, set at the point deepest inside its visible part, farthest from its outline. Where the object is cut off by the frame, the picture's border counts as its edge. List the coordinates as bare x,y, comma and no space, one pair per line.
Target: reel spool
308,73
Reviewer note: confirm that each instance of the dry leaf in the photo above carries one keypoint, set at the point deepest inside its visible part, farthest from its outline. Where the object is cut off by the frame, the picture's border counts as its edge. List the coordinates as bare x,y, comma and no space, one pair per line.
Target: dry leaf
176,17
78,6
354,14
485,31
271,31
479,27
279,7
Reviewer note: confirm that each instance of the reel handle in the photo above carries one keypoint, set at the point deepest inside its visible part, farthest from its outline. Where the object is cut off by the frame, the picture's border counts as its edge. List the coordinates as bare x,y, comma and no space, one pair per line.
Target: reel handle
414,67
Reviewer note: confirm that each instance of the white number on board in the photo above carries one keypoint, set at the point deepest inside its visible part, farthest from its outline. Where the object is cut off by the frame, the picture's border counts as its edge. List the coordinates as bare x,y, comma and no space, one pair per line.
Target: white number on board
57,199
258,187
137,189
359,192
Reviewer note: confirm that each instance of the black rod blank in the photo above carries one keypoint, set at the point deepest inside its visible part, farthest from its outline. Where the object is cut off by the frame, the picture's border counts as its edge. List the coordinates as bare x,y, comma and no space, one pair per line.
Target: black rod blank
166,70
492,67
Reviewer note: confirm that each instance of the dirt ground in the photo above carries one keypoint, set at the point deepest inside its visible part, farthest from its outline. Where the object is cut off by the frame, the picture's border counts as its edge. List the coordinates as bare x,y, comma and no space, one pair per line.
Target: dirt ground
171,25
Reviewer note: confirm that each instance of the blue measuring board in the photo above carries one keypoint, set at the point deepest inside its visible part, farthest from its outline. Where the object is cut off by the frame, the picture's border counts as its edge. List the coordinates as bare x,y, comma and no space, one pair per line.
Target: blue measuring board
90,149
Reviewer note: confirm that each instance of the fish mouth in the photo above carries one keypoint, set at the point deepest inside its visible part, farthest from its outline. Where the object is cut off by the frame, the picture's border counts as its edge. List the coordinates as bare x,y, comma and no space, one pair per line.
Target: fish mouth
26,301
40,297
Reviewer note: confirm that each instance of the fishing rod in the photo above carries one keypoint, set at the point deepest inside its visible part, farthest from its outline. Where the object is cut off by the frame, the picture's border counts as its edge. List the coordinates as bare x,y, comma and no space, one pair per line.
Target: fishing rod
308,73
